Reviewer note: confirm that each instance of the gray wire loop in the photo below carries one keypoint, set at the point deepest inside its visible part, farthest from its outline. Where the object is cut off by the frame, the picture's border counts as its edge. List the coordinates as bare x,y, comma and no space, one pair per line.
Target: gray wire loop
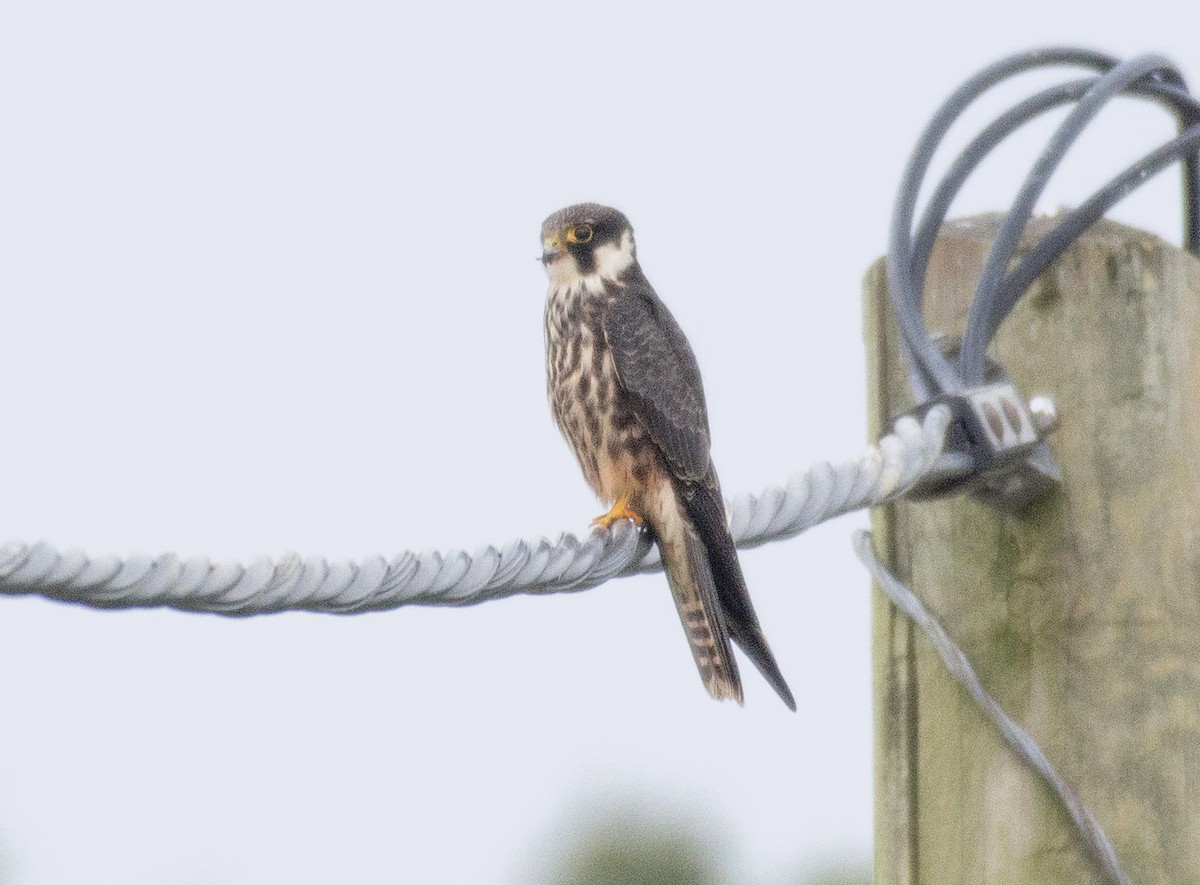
456,577
1094,837
999,289
1149,76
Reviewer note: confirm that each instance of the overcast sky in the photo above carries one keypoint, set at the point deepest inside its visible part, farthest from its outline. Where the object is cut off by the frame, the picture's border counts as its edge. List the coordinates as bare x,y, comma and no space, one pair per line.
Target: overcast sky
267,282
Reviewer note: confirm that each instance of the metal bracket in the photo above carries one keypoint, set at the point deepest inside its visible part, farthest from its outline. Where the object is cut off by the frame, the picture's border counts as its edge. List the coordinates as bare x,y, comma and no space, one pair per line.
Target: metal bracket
995,445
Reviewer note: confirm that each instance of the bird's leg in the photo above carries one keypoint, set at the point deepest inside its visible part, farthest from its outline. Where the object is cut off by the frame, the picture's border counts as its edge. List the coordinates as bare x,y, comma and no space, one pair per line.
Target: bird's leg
620,510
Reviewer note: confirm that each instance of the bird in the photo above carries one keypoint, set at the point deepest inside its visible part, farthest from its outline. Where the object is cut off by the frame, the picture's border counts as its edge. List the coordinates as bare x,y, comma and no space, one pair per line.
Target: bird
625,391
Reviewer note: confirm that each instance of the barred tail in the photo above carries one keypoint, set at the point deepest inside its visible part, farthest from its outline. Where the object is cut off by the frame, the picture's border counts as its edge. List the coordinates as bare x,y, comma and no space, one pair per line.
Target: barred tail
705,510
689,573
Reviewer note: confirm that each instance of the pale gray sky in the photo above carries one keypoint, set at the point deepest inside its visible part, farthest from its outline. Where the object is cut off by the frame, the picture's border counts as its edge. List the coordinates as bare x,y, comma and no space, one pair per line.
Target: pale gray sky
268,284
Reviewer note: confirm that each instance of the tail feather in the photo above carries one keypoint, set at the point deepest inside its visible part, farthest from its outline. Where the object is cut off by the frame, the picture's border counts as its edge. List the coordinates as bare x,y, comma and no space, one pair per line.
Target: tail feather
703,504
686,563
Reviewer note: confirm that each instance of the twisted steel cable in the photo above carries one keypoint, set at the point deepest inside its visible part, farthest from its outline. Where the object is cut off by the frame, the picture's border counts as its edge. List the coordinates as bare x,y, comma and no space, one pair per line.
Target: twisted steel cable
457,578
1094,837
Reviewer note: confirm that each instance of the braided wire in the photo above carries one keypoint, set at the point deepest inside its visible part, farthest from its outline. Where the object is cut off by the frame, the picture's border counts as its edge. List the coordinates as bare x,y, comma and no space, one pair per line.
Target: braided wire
1094,837
313,584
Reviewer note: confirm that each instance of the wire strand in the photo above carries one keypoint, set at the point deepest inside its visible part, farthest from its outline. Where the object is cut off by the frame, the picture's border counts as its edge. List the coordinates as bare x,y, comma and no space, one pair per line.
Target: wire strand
1094,837
455,577
983,310
1152,77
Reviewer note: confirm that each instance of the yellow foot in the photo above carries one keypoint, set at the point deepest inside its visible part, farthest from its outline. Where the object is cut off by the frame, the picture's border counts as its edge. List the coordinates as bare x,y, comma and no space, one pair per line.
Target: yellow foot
620,510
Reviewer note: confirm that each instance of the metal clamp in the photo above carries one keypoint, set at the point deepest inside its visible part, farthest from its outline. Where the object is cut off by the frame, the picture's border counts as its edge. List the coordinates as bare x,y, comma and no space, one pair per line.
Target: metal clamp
996,448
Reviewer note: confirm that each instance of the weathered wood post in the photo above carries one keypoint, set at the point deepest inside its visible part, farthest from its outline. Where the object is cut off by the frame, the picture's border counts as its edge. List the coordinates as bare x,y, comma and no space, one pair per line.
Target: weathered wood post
1082,617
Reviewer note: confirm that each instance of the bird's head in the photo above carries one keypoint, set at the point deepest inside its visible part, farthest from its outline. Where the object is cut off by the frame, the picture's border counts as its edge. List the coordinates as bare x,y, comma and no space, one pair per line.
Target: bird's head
587,241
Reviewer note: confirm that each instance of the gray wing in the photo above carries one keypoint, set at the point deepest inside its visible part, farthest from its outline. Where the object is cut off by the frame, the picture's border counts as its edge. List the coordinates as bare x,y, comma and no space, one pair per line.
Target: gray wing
658,372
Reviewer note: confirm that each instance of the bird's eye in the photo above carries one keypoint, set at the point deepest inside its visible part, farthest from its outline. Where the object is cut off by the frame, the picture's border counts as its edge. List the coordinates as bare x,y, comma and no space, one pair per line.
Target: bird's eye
581,233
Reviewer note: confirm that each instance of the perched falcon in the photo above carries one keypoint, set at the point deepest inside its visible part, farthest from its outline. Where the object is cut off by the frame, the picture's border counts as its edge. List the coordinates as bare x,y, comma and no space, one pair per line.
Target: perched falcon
626,393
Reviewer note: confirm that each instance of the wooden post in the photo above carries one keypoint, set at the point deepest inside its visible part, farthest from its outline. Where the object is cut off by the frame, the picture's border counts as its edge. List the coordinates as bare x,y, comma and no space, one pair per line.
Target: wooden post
1082,617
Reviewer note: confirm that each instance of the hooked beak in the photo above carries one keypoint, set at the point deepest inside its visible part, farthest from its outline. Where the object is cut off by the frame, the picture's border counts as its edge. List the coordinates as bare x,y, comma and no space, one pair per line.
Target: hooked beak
551,249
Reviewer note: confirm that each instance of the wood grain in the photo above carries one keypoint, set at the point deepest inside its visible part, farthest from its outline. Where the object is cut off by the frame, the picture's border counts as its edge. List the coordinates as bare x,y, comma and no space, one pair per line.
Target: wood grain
1081,616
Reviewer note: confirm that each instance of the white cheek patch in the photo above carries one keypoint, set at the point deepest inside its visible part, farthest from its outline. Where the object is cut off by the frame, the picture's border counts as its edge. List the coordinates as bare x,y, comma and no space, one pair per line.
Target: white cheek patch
612,260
